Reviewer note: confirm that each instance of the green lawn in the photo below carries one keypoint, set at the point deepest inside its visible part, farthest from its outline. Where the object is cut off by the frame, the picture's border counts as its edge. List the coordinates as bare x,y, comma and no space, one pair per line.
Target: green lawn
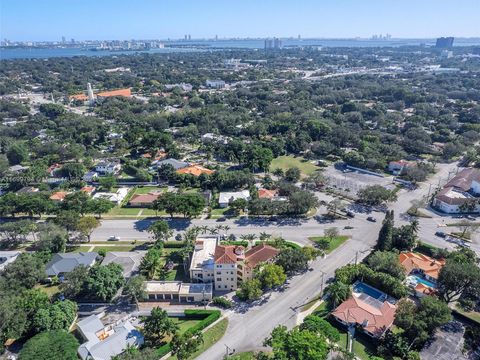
335,242
184,323
473,315
287,162
119,211
219,211
146,189
97,248
210,337
249,355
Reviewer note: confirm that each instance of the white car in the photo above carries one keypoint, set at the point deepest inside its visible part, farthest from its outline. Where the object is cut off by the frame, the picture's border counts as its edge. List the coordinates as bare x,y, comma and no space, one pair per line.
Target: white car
114,238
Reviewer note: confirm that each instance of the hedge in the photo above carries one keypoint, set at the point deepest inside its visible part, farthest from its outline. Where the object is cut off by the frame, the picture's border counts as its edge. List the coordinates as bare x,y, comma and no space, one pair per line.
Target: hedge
286,244
174,244
208,317
243,243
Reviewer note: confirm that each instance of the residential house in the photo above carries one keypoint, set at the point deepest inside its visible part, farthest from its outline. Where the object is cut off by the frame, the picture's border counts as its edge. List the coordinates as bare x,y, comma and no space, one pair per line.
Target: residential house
225,198
255,256
373,315
59,196
89,190
144,200
398,167
17,169
226,260
63,263
104,342
28,190
460,194
177,291
177,164
128,260
90,176
52,169
108,167
114,197
195,170
422,272
215,84
7,257
270,194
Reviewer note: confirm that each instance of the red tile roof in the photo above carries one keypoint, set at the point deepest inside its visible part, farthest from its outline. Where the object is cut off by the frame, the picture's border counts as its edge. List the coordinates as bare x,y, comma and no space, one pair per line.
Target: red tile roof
143,198
267,194
260,253
375,320
463,180
411,261
59,195
88,189
225,254
119,92
196,170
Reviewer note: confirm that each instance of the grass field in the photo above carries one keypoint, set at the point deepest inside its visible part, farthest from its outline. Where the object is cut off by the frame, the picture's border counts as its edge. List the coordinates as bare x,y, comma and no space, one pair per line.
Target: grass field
334,243
287,162
210,337
473,315
184,323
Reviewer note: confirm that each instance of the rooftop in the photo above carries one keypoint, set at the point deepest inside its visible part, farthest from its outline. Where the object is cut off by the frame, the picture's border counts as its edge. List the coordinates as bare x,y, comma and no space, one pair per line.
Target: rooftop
226,197
195,170
415,261
119,92
66,262
203,255
260,253
228,254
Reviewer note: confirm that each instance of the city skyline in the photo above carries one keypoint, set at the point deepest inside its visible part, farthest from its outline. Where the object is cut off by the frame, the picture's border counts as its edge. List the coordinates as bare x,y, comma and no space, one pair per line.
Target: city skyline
51,20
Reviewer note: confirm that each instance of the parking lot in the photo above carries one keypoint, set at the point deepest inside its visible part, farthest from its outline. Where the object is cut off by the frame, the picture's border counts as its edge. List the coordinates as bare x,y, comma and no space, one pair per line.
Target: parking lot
354,180
447,343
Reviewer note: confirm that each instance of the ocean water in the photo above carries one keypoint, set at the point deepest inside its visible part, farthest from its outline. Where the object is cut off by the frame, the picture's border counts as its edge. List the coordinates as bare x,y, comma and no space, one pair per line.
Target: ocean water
205,45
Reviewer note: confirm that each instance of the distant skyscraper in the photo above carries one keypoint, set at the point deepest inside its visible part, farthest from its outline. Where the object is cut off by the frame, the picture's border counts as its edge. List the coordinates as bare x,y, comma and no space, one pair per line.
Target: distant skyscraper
91,97
72,40
63,39
274,44
299,37
444,42
216,37
189,37
186,37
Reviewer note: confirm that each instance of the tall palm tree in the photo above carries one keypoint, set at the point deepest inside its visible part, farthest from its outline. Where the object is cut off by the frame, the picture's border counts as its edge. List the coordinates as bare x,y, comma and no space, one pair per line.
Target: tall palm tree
226,228
203,229
414,226
337,292
213,231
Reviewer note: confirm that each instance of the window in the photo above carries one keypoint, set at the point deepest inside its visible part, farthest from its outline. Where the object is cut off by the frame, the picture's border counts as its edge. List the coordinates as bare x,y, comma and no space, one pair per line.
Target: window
219,273
220,266
219,279
225,286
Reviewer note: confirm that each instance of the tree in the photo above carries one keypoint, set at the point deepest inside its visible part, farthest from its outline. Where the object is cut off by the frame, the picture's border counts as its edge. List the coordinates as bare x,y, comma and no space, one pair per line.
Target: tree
185,345
52,111
151,263
337,292
51,238
301,201
238,205
50,345
104,281
250,290
385,236
375,195
271,275
387,262
108,182
457,278
76,201
24,273
75,282
331,233
86,225
157,326
17,153
99,206
135,288
161,230
292,174
57,316
72,171
297,344
68,219
319,325
334,205
292,260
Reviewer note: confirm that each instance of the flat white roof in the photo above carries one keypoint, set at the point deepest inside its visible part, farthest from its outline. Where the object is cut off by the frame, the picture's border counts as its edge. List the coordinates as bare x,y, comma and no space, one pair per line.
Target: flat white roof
163,286
204,257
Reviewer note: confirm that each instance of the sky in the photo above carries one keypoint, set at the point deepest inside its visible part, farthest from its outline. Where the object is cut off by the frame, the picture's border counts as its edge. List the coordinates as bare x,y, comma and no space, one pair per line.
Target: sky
37,20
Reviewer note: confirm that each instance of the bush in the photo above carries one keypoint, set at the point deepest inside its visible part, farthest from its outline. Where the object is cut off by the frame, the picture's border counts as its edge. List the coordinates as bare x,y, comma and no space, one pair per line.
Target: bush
163,350
208,317
243,243
50,345
173,244
222,302
316,324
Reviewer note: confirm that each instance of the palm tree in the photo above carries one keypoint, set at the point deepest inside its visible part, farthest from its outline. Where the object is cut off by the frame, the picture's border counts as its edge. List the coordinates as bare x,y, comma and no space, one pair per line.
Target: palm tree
264,236
213,231
249,238
414,225
203,229
337,292
226,228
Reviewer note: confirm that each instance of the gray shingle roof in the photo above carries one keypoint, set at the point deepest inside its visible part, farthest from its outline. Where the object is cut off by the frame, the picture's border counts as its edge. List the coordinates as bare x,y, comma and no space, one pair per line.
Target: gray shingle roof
64,263
177,164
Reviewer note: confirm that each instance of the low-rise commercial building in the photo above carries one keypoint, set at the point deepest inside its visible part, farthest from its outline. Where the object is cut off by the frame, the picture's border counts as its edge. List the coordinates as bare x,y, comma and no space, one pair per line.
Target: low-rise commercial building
176,291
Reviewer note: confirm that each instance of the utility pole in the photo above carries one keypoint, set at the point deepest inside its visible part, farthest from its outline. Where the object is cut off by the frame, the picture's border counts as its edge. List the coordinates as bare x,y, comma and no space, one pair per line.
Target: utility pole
228,350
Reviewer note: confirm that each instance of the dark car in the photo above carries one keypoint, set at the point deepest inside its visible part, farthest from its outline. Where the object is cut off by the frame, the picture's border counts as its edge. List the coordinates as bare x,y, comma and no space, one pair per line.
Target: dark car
221,219
441,234
372,219
350,214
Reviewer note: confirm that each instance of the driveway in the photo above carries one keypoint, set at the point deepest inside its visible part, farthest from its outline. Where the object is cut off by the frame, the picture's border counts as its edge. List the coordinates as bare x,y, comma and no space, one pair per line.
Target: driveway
447,343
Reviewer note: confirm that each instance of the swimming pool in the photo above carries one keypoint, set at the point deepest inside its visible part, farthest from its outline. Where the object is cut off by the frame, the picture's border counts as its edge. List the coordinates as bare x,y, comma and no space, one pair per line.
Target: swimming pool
423,281
360,287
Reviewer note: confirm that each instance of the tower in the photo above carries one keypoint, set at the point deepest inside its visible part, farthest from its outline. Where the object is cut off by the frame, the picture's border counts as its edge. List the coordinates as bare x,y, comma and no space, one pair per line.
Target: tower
91,97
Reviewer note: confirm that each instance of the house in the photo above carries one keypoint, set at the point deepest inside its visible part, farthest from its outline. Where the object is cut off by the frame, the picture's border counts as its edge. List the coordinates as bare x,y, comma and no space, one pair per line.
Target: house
258,254
195,170
108,167
116,197
177,164
63,263
226,259
104,342
7,257
215,84
28,190
120,92
270,194
90,176
202,259
225,198
59,196
178,292
128,260
374,316
17,168
144,200
460,194
53,168
89,190
422,272
159,155
398,167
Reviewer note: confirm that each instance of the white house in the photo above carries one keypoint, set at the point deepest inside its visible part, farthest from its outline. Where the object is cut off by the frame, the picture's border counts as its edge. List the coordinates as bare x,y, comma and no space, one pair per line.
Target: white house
215,84
226,197
115,197
90,176
460,194
108,167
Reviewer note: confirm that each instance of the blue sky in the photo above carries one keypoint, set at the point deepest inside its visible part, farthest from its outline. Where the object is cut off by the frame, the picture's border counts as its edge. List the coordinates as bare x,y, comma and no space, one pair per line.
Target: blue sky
162,19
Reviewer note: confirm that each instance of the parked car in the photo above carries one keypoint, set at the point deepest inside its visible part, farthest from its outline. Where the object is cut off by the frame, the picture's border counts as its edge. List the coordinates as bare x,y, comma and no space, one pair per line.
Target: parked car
471,217
372,219
114,238
350,214
221,219
440,234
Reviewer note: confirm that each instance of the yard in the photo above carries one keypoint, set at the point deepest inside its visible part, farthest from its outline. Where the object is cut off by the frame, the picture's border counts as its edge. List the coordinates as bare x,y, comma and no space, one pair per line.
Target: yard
334,242
287,162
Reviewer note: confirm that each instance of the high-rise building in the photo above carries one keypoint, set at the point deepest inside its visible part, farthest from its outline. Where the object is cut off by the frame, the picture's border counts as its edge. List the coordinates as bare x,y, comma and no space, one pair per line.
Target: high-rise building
91,97
186,37
274,44
444,42
63,39
216,37
72,41
189,37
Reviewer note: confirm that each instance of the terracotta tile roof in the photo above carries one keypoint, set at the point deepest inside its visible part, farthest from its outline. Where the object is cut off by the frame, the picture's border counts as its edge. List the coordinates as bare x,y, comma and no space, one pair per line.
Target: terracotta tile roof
415,261
450,195
59,195
88,189
225,254
267,194
463,180
80,97
119,92
195,170
143,198
260,253
373,319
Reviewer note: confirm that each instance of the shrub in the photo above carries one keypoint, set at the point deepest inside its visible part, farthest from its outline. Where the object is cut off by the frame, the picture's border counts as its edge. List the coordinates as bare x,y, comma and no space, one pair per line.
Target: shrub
208,317
173,244
222,302
50,345
243,243
316,324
